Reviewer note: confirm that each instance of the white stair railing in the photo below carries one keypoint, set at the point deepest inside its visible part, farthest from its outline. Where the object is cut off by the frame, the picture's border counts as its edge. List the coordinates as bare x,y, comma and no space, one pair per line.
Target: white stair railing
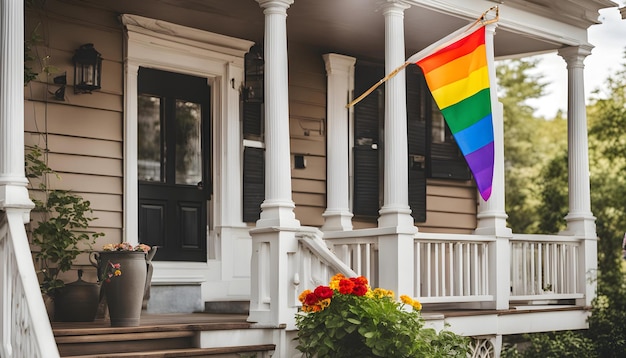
317,264
25,330
545,267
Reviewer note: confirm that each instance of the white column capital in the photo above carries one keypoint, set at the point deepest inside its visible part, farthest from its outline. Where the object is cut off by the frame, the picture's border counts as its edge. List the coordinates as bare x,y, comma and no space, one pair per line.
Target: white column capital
575,55
394,6
336,63
275,5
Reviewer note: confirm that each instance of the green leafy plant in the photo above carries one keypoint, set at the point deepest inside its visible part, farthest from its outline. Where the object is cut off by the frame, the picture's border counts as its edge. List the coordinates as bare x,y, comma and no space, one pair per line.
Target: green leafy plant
63,229
349,319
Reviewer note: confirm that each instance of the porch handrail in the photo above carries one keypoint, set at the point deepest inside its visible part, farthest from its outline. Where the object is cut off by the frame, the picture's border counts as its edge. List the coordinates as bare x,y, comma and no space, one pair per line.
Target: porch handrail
311,239
25,330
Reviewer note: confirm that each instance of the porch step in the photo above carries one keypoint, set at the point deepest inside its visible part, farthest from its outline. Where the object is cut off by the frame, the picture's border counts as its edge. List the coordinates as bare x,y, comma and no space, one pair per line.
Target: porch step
222,352
157,336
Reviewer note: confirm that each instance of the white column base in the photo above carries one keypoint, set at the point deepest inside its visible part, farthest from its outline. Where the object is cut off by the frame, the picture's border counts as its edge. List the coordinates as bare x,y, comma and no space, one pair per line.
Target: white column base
278,214
492,223
337,221
580,225
396,217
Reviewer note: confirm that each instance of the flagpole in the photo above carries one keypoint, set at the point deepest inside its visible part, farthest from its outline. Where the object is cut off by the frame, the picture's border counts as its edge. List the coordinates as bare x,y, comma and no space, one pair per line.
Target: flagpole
482,20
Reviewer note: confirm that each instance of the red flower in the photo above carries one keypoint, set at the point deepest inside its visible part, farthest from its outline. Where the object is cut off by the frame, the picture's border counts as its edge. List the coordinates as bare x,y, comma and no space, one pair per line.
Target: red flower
359,280
359,290
323,292
311,299
346,286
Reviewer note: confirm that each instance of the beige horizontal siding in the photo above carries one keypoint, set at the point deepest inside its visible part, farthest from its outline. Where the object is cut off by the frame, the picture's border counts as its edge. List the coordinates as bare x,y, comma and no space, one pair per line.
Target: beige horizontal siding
307,112
76,145
59,118
306,185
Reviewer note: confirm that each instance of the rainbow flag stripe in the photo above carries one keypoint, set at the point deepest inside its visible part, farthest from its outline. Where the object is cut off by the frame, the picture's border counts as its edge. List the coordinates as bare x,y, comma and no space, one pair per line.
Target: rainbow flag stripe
458,78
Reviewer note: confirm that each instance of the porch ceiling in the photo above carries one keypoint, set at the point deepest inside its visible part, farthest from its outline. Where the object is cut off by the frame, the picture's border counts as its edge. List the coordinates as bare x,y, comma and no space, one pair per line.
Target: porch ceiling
351,27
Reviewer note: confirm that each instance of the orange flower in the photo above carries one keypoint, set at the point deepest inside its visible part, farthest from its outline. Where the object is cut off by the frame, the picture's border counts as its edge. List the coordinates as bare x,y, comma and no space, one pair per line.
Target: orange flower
303,295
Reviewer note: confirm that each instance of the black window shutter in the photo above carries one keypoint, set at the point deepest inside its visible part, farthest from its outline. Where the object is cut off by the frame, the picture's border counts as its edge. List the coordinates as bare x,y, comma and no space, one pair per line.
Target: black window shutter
253,183
416,126
367,144
252,120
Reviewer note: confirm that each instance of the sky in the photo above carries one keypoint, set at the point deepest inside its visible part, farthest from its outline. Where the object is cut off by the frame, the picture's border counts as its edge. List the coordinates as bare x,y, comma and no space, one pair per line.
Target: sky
609,39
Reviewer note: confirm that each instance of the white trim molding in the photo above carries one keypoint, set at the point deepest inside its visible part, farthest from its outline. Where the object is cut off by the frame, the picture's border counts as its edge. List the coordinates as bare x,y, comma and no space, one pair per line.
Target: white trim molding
220,59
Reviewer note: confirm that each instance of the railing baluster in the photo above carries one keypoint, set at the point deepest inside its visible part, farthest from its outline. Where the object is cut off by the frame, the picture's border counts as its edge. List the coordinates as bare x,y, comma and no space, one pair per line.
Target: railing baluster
428,270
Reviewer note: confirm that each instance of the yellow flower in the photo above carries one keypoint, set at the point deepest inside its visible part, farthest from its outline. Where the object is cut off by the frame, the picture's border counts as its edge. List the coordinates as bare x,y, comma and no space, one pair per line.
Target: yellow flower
410,301
334,281
381,292
117,273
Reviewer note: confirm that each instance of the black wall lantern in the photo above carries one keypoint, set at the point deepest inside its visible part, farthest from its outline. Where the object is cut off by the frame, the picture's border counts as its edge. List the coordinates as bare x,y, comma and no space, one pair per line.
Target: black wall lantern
87,69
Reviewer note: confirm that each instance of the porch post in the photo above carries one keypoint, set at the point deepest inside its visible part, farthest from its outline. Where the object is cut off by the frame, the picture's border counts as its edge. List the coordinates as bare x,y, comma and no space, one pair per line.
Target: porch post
13,183
580,220
273,239
396,248
491,217
277,208
340,83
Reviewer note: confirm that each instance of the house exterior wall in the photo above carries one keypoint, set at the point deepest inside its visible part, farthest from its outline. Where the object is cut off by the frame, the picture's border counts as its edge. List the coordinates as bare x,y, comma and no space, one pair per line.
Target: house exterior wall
84,132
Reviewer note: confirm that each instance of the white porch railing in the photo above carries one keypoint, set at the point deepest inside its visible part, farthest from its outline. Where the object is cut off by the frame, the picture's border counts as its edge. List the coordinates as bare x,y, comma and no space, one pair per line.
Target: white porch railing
545,267
455,268
25,329
452,268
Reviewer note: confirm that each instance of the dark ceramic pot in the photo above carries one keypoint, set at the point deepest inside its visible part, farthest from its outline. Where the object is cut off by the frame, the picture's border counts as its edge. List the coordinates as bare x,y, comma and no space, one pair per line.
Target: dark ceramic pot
77,301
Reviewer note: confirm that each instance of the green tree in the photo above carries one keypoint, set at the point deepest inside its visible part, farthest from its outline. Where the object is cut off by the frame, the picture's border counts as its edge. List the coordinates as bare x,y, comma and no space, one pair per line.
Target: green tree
529,142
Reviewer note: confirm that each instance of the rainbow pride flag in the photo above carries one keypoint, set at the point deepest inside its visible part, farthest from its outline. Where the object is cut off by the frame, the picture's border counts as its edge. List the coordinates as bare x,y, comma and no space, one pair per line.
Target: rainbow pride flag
457,75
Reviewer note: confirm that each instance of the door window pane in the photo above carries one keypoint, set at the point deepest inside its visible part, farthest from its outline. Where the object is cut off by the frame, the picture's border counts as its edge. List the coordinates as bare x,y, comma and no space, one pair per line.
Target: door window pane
149,156
188,143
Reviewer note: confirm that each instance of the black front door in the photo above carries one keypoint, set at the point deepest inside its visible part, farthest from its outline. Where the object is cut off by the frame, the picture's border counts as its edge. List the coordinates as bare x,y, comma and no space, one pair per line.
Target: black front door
173,152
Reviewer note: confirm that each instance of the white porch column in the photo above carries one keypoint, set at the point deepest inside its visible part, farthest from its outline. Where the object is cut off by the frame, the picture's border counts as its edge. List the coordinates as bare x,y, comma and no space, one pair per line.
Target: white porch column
340,83
580,220
277,208
13,183
395,210
491,217
272,298
396,248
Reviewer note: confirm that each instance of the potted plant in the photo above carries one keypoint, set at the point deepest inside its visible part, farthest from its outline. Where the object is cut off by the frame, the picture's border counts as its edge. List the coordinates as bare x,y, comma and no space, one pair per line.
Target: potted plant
349,319
61,233
125,271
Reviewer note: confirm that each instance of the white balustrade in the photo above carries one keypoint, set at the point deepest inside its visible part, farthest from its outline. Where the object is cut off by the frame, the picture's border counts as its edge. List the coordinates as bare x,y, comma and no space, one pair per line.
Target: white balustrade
545,267
23,332
452,268
456,268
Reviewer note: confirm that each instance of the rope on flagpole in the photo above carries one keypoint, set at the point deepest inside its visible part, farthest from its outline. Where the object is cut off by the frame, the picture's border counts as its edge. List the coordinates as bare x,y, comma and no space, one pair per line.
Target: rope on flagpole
482,20
383,80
